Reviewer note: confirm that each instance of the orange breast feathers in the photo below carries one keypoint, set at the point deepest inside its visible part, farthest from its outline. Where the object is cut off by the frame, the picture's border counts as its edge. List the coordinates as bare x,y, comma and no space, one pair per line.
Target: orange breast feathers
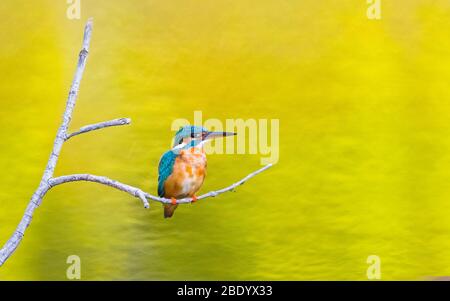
189,172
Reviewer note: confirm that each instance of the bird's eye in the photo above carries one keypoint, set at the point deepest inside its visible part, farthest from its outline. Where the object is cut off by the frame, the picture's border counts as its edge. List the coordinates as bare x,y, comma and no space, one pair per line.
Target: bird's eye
192,135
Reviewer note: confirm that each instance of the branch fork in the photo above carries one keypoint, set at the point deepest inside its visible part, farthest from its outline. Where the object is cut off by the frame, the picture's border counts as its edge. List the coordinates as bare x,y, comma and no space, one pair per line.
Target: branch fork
48,180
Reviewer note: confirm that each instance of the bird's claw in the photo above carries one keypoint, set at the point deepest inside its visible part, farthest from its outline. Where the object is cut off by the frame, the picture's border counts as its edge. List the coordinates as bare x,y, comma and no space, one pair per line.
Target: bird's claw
174,201
194,199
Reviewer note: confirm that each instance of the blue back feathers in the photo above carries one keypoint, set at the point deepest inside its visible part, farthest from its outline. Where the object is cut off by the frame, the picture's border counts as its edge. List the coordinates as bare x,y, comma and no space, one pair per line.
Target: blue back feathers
165,169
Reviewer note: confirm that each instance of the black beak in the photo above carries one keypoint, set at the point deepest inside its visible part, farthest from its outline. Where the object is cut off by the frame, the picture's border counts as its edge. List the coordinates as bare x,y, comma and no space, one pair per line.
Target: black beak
212,135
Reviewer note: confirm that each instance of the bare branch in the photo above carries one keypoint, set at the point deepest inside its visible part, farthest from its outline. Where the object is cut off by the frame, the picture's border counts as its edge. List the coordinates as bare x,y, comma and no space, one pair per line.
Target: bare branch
98,126
233,186
43,187
136,192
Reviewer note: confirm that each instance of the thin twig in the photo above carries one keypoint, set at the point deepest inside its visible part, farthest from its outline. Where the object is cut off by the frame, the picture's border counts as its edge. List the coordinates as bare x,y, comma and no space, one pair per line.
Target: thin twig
98,126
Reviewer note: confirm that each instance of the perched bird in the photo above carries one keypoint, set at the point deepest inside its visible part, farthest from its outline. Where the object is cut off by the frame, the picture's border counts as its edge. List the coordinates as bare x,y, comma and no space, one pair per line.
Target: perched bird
182,169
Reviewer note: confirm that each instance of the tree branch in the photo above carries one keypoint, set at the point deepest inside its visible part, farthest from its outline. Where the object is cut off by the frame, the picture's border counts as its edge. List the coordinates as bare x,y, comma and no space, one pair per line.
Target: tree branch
136,192
48,181
43,187
98,126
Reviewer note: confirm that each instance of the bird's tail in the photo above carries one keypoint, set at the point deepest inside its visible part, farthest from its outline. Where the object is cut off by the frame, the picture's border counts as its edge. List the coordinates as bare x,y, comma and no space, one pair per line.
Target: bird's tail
169,209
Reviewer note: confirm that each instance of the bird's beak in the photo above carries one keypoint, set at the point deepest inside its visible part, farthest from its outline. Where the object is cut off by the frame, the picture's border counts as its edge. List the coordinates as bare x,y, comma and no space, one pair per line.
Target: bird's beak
212,135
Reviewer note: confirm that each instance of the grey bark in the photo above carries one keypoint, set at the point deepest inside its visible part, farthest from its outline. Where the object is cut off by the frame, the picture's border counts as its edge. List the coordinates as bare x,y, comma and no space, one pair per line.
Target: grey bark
98,126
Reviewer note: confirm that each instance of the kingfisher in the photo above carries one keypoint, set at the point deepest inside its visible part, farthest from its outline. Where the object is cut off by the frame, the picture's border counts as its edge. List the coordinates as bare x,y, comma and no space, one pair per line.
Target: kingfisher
182,169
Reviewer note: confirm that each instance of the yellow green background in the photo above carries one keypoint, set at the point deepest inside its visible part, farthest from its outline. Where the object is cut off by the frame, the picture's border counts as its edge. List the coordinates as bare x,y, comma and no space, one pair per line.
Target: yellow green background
364,112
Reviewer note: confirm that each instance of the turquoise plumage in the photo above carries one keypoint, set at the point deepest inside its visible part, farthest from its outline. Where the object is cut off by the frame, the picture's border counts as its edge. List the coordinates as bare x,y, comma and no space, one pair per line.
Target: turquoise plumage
183,168
165,169
188,131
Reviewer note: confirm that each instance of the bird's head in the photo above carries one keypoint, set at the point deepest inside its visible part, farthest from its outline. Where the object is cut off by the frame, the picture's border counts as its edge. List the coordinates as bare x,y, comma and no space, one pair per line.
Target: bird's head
192,136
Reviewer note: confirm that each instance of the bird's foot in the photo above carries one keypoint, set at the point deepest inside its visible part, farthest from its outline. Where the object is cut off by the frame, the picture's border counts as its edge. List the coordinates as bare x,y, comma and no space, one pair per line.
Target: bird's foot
194,199
174,201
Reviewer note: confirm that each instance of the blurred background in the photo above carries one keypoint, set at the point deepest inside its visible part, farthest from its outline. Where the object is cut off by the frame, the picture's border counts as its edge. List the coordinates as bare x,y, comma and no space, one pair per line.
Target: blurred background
364,162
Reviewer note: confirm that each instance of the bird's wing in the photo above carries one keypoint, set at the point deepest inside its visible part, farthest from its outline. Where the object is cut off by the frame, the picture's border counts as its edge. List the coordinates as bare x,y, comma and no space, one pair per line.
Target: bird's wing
165,169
